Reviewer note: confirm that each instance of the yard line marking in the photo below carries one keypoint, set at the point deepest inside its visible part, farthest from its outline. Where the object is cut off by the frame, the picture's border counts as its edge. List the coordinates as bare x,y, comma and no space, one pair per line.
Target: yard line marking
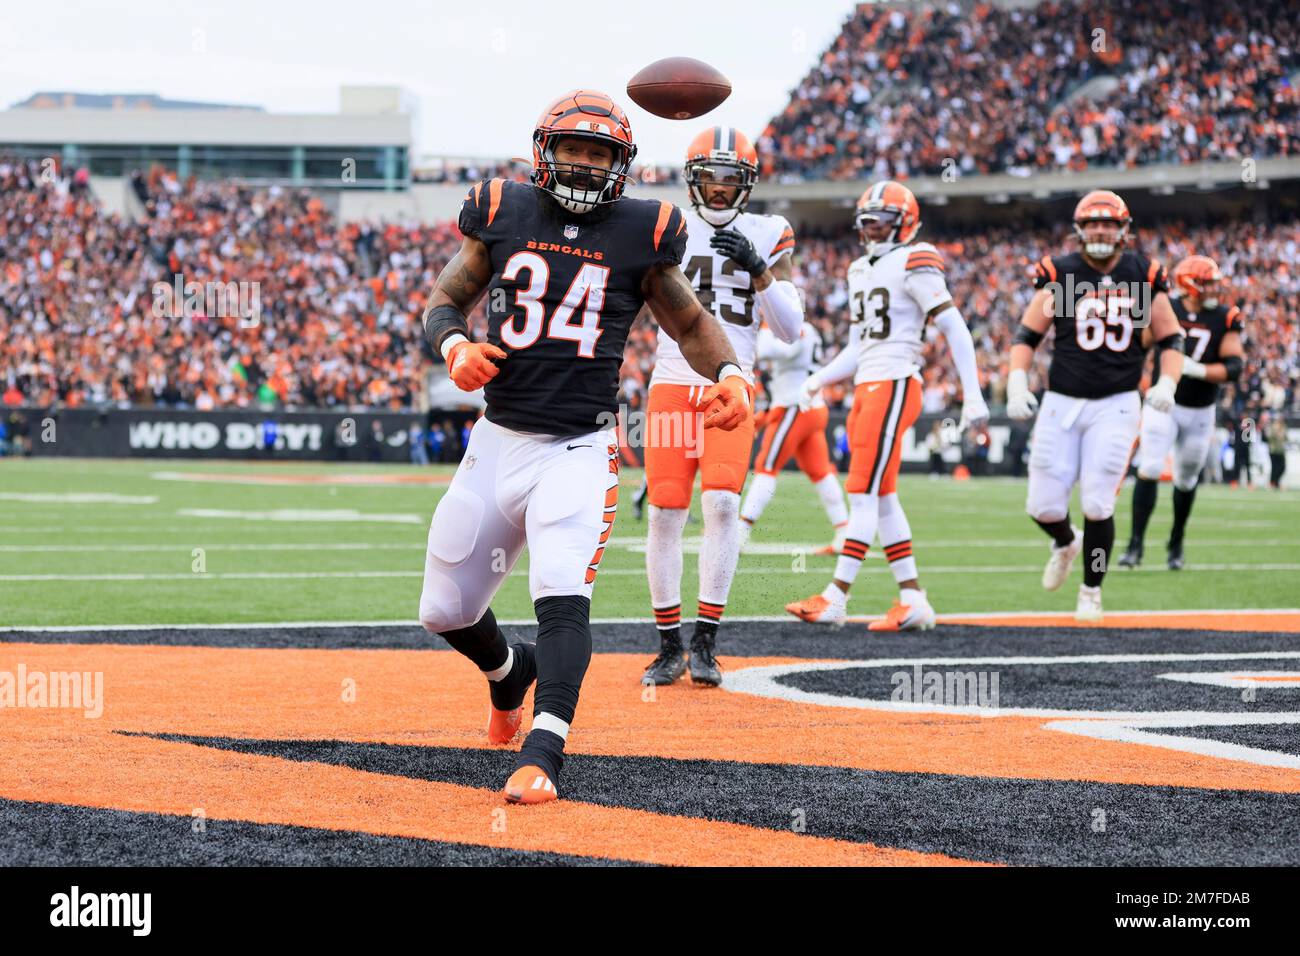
78,498
275,546
307,515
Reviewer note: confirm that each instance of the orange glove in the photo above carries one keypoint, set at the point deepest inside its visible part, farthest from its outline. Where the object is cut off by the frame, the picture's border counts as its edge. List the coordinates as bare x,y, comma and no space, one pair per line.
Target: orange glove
471,365
734,405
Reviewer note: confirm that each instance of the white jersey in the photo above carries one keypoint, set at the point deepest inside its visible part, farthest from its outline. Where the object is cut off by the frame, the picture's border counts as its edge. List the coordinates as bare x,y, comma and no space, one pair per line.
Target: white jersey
724,289
790,364
888,304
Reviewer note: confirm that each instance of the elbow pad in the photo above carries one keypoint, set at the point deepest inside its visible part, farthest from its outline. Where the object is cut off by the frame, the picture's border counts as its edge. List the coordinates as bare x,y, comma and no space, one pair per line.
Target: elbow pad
441,322
1232,366
1027,336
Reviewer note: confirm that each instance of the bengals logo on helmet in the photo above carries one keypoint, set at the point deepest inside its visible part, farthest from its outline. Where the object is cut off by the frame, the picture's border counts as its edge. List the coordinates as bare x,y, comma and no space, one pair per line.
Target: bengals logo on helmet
587,114
1102,205
723,156
892,203
1198,277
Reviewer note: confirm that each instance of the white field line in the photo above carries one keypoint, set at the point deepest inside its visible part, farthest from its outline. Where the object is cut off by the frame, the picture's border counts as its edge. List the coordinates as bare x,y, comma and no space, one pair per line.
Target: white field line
526,622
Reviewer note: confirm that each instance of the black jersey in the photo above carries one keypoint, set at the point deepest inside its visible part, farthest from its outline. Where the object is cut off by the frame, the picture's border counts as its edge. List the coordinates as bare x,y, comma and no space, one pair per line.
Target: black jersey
1099,320
565,291
1202,335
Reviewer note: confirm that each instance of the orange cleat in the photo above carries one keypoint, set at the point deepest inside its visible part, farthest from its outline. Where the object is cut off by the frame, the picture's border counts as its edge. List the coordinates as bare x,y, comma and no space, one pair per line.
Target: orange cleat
828,551
530,785
917,616
817,610
503,724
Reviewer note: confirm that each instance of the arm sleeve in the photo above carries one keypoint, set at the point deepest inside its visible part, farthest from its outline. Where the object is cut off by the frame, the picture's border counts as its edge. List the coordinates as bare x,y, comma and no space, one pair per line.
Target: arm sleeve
846,363
782,308
770,347
962,346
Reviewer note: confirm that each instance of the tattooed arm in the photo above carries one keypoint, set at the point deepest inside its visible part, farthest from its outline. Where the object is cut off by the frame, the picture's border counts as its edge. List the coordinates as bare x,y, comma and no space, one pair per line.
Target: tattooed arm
459,289
697,333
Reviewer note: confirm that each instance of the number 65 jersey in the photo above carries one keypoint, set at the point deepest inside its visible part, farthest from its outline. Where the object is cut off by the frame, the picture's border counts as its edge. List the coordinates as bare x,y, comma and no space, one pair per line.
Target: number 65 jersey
890,298
723,288
1099,318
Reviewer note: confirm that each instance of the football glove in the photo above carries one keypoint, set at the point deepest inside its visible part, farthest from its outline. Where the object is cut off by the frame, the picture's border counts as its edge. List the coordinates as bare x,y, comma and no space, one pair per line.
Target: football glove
733,404
1021,403
808,392
740,250
471,364
1160,396
974,412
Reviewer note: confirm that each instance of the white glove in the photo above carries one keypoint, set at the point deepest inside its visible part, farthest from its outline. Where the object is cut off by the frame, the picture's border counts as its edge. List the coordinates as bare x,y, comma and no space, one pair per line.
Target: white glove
974,412
1160,396
808,392
1021,403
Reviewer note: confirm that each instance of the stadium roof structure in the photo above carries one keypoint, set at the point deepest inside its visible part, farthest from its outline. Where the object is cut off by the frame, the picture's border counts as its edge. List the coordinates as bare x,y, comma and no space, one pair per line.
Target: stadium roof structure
63,100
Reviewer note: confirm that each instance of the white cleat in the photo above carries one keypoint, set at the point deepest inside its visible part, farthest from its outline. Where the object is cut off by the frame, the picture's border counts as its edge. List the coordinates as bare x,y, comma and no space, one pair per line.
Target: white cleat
1089,606
911,612
818,610
1061,561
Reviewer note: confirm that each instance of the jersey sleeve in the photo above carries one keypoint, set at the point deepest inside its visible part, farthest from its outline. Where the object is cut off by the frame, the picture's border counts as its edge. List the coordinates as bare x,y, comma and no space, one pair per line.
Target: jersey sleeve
480,208
928,288
784,242
1232,322
669,235
1156,276
1045,272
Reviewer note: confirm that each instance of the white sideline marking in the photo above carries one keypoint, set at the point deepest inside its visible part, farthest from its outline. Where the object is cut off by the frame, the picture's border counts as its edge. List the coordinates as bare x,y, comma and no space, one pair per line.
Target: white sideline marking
528,622
1131,732
293,514
78,498
279,546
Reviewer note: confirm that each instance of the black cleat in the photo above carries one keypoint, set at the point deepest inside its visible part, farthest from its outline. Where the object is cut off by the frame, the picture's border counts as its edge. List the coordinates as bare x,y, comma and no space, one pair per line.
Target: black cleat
1176,557
704,666
667,667
1132,556
638,501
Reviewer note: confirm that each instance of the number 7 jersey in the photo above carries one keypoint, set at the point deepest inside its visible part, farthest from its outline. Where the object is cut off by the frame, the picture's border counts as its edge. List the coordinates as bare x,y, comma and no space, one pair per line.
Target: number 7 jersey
723,288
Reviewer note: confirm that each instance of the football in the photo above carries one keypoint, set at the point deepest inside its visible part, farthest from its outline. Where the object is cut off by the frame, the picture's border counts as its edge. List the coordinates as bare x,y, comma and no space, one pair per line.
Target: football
678,88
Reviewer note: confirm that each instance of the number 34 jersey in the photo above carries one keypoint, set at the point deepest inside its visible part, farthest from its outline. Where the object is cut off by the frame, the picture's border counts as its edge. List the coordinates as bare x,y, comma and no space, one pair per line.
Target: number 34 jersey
890,299
723,288
565,291
1099,320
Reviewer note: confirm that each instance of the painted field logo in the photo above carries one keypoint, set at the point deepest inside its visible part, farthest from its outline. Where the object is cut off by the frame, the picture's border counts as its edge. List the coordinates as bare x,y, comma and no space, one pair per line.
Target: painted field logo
74,908
949,688
76,690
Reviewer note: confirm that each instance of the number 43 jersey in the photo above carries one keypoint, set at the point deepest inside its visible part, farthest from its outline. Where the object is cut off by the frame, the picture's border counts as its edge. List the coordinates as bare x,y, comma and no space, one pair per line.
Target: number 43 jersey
565,291
890,298
1099,320
723,288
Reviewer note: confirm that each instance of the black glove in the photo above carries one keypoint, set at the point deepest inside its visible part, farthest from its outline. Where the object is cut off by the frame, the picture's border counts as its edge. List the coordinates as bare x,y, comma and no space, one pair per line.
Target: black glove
740,250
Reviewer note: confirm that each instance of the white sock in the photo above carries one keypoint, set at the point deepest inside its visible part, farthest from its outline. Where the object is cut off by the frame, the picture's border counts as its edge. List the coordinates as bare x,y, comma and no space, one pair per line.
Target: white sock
663,555
828,490
721,548
758,497
863,515
896,538
833,594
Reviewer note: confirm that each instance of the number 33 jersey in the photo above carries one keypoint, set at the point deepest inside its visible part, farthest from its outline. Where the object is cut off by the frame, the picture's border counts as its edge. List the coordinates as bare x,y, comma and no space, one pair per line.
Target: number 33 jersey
723,288
890,299
565,291
1099,320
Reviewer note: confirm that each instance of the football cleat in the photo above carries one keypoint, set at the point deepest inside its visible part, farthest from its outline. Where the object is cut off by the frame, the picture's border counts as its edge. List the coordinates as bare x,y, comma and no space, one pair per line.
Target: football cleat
704,666
917,616
828,551
817,610
503,724
1132,556
530,785
1062,559
1175,557
1088,607
667,667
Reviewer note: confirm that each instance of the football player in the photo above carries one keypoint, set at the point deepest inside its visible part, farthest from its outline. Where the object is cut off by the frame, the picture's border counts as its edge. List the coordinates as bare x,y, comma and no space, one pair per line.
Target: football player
1099,300
790,431
895,291
1212,354
739,265
566,263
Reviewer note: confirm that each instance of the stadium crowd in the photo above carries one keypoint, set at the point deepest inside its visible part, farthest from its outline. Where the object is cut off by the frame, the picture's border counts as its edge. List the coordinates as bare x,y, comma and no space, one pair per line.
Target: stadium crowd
983,89
88,314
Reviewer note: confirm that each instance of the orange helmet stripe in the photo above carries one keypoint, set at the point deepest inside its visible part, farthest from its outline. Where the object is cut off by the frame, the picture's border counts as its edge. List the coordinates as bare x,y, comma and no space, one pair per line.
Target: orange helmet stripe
494,198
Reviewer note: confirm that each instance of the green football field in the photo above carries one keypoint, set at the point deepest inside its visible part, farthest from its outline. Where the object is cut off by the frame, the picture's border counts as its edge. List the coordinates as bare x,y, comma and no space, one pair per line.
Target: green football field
98,542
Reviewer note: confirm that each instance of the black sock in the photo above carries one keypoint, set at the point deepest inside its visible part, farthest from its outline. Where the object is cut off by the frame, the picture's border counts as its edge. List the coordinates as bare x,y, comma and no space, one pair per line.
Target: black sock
670,638
1144,502
509,692
482,642
1098,539
563,653
1060,531
1182,510
705,631
541,748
